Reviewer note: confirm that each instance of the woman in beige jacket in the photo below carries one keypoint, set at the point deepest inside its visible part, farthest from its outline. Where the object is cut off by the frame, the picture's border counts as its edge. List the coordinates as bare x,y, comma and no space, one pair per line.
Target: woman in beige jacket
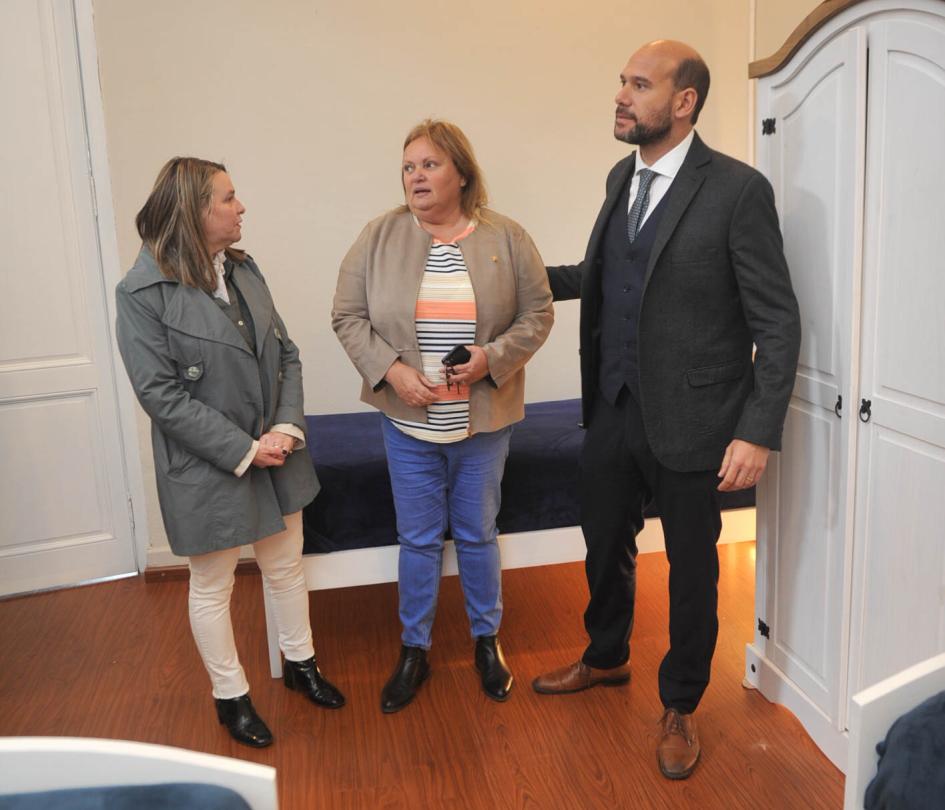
440,276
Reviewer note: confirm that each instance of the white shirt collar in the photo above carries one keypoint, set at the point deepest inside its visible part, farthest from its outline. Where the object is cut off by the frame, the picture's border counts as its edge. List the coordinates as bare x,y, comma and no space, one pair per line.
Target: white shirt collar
220,292
670,164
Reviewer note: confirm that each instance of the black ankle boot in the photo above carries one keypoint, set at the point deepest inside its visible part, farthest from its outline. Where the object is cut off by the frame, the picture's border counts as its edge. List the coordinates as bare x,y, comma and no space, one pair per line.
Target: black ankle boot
412,670
241,720
496,678
305,677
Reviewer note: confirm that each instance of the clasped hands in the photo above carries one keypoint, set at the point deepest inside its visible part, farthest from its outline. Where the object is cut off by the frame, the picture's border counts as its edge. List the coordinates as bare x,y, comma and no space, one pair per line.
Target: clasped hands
416,390
273,450
742,466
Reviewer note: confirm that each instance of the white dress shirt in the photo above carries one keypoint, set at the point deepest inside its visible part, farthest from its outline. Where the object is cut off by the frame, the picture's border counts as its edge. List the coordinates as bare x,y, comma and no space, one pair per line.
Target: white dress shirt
666,168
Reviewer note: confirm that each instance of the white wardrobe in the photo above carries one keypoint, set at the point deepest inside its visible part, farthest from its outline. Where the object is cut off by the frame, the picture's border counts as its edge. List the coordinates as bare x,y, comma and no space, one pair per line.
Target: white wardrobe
851,517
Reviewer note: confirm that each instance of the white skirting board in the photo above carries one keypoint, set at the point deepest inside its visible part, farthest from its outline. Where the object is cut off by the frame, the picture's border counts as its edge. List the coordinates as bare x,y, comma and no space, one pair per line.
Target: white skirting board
367,566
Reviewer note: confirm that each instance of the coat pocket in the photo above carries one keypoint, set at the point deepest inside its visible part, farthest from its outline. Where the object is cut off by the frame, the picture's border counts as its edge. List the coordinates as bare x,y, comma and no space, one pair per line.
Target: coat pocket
718,373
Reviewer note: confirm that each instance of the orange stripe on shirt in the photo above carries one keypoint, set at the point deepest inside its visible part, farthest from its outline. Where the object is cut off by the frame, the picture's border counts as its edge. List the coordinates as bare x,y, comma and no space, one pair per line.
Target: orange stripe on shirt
446,310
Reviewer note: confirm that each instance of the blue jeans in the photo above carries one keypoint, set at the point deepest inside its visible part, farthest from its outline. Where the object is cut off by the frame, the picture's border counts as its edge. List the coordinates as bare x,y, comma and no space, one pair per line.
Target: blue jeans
440,486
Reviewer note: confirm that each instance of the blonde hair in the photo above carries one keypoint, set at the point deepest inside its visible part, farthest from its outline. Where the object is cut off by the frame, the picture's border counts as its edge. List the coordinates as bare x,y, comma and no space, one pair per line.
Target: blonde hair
171,222
452,141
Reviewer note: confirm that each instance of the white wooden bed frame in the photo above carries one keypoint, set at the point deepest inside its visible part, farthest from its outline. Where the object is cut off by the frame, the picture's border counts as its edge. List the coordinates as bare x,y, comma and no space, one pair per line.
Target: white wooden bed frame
29,764
368,566
874,710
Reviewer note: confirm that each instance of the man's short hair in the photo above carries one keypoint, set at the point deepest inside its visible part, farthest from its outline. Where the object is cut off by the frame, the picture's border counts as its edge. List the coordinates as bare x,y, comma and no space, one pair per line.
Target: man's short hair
695,74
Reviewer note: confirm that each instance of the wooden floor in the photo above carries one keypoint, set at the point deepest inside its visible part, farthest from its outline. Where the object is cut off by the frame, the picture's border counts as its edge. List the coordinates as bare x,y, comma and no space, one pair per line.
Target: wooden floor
117,660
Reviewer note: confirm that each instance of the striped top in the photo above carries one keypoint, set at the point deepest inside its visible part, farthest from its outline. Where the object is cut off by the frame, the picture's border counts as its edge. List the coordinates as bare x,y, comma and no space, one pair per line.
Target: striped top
445,317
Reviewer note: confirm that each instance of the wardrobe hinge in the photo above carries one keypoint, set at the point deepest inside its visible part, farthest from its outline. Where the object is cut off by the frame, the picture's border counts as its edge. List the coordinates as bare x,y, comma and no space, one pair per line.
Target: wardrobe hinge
763,628
767,126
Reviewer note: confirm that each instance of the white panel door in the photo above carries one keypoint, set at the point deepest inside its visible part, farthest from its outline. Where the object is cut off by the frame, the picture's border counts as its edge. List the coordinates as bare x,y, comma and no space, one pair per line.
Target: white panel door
64,512
898,608
812,160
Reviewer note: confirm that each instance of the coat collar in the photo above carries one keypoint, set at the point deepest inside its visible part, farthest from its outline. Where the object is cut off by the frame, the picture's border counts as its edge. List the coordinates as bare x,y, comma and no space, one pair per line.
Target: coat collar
193,312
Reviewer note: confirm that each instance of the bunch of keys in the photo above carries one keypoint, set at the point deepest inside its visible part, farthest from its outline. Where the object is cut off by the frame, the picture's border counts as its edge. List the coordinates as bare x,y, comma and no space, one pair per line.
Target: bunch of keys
454,357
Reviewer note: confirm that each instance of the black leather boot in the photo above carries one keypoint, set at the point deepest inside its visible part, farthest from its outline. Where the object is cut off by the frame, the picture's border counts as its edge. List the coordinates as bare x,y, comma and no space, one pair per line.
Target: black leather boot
305,677
496,677
412,670
241,720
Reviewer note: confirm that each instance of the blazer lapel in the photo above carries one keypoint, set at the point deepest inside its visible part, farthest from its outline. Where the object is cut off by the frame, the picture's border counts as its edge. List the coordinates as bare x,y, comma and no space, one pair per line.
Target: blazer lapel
258,300
592,272
688,181
613,196
414,264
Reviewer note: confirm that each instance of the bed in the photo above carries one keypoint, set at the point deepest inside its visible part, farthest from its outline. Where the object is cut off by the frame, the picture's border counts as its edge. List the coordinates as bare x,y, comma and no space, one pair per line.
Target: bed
350,532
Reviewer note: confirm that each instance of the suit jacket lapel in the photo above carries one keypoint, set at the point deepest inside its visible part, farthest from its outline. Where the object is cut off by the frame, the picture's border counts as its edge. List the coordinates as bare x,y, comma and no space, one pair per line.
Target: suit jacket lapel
688,180
258,300
592,273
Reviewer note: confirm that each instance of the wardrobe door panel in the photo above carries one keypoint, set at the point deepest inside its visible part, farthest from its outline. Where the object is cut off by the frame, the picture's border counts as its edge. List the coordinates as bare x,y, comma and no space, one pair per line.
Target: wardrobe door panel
814,160
899,568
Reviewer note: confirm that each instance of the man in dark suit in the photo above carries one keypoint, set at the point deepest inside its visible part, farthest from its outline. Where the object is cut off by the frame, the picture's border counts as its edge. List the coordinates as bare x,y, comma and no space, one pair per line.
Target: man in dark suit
683,273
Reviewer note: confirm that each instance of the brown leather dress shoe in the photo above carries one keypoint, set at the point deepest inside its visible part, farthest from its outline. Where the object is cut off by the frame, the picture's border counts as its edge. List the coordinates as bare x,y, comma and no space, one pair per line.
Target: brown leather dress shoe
678,751
579,676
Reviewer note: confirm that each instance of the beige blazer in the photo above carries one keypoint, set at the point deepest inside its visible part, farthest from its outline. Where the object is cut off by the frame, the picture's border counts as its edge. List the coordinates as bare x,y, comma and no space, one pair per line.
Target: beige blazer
376,298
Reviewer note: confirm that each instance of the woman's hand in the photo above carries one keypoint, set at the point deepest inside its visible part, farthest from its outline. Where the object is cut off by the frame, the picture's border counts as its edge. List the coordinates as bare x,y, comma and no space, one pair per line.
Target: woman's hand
474,370
273,449
268,455
281,441
410,385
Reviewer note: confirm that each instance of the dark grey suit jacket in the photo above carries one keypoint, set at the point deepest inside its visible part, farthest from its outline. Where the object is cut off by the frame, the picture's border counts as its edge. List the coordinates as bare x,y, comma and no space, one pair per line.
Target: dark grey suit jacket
716,283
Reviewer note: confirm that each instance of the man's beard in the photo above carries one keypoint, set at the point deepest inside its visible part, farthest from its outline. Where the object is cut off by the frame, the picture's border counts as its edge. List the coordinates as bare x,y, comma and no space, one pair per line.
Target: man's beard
644,134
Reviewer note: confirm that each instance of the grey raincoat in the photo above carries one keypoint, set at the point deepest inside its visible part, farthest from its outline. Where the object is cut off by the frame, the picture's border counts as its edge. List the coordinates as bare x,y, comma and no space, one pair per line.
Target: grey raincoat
209,397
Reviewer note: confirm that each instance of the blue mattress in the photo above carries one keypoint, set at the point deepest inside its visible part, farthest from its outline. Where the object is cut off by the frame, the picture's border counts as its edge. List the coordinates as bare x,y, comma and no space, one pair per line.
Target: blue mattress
355,508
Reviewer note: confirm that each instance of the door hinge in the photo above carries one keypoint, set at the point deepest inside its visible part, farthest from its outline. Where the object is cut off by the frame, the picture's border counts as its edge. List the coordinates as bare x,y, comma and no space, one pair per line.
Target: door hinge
767,126
839,406
763,628
131,514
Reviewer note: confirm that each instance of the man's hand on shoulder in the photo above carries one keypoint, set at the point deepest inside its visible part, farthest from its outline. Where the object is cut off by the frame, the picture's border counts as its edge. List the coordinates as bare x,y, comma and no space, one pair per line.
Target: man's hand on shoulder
743,465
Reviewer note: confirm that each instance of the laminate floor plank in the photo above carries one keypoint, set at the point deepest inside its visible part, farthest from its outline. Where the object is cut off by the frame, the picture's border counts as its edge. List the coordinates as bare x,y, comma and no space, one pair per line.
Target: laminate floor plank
117,660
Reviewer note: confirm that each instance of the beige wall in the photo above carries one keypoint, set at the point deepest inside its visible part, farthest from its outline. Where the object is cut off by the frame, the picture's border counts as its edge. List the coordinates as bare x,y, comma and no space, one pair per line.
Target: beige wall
307,102
775,21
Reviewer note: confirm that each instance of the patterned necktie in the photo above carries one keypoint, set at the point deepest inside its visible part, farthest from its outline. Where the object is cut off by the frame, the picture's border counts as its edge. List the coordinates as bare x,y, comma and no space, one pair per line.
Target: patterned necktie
638,209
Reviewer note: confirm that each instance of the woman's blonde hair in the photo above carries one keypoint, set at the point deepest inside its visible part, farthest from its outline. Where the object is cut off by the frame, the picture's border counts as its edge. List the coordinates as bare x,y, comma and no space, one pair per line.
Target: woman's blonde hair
451,140
171,222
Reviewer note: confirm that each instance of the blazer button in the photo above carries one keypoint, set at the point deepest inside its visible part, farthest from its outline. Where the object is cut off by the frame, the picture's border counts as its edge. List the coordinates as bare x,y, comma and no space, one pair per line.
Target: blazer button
193,372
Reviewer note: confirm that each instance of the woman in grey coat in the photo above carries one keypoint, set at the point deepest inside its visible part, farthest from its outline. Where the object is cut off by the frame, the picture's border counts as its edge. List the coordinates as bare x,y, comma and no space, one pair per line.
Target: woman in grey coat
211,364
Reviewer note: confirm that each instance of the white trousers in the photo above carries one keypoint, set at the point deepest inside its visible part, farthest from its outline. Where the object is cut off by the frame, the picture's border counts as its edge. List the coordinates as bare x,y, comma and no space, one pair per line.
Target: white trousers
211,583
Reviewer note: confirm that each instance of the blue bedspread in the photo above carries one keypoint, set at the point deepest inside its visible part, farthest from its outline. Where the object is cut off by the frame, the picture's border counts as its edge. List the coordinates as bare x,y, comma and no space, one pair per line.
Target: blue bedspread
176,796
355,508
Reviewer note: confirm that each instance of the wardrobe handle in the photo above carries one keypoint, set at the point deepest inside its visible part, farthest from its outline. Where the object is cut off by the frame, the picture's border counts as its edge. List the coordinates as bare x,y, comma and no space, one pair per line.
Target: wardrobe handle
838,406
866,412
